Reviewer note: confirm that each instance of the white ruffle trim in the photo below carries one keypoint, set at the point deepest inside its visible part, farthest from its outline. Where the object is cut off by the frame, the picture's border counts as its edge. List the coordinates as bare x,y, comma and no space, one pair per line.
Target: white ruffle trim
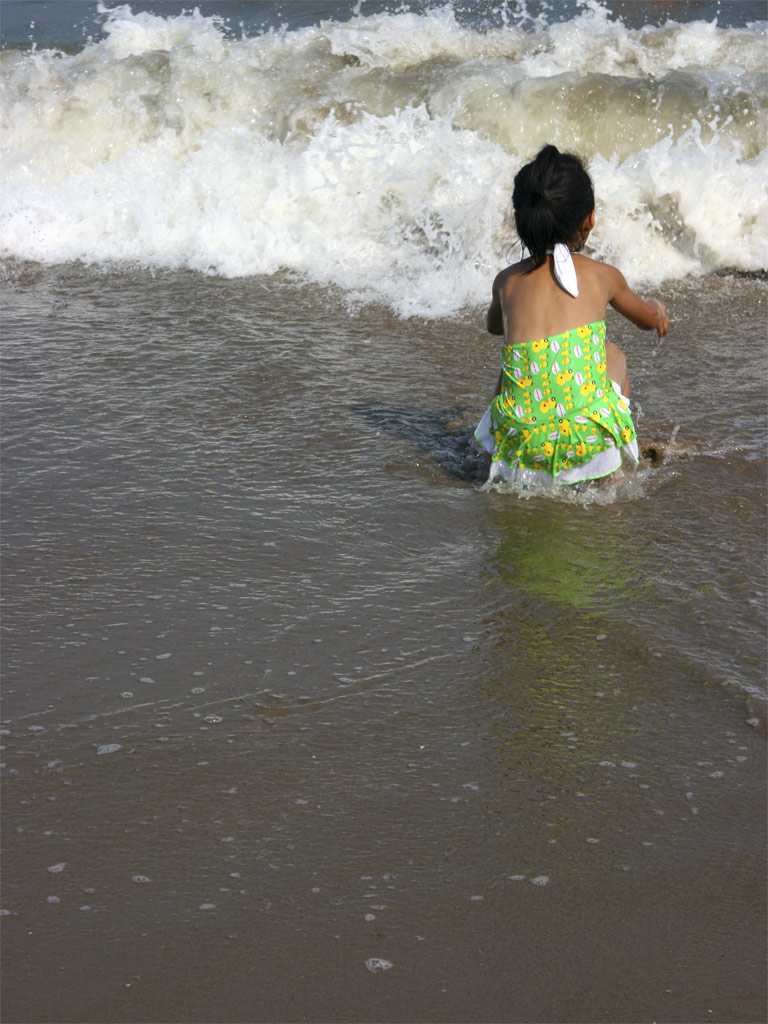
599,465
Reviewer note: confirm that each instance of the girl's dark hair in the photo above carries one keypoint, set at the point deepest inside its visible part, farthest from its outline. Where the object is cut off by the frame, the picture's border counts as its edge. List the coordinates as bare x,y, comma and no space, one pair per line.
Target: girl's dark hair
552,198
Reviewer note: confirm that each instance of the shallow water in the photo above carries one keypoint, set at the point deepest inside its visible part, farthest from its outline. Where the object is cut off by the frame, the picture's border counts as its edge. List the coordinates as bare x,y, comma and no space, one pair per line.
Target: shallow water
287,690
301,722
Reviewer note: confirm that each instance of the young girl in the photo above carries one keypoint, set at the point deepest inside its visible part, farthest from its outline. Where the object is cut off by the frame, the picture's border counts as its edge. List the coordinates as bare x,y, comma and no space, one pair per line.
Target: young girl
561,412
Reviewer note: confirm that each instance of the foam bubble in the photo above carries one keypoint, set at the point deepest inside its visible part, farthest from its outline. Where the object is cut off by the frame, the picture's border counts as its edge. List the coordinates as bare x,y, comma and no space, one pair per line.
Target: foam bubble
376,964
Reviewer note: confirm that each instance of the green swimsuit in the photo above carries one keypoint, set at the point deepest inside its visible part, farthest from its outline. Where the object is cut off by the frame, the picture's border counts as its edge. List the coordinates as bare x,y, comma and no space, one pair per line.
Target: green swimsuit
558,417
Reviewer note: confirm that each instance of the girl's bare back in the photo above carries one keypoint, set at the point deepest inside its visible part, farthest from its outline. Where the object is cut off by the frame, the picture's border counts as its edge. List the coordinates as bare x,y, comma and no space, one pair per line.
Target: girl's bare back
529,303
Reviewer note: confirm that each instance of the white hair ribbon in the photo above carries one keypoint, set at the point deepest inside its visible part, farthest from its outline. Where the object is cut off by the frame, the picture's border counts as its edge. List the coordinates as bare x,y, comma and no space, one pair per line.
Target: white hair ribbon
565,271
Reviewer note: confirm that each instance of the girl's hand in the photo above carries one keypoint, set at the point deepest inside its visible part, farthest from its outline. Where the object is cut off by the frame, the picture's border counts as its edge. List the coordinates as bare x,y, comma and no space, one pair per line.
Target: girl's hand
662,325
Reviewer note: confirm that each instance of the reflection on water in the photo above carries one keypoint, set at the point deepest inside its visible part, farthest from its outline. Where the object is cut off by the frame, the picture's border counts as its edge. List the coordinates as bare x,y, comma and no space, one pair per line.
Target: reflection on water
576,558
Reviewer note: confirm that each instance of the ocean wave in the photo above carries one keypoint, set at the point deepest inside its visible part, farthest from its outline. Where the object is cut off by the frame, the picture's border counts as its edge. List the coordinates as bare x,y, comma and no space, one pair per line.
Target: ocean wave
377,154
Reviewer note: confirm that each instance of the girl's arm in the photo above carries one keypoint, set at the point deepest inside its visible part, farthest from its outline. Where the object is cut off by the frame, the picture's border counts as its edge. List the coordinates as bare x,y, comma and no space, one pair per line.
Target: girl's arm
495,318
644,313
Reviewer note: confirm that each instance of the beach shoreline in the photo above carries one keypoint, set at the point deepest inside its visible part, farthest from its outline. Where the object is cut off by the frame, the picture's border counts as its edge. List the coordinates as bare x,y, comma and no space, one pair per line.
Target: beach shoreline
310,700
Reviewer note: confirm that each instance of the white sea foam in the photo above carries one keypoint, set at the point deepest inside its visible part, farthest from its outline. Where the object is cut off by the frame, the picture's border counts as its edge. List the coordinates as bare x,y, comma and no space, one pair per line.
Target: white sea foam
377,155
376,964
108,748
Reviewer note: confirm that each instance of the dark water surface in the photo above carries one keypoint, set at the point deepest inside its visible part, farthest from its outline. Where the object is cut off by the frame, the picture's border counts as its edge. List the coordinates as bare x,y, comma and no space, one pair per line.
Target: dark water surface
287,693
71,22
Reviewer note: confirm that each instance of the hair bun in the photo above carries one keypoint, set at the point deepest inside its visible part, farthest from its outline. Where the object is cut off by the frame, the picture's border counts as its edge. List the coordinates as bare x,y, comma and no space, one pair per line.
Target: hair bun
547,155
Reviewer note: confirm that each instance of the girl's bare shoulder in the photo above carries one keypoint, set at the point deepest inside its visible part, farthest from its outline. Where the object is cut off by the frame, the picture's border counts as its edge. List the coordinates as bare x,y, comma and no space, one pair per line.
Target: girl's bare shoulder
603,276
603,271
514,270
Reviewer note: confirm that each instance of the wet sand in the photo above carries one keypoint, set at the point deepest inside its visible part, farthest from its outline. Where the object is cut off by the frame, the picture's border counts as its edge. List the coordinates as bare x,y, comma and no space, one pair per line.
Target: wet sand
289,698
